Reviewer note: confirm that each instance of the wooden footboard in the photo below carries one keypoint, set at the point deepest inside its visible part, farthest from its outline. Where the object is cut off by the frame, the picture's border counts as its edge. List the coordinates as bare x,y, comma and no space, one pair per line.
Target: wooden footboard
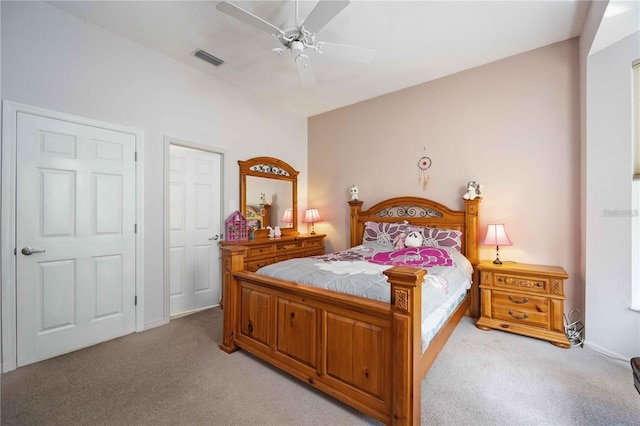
363,352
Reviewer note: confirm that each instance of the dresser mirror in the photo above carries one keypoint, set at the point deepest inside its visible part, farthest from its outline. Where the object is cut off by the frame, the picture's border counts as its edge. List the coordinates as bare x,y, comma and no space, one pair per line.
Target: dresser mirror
268,187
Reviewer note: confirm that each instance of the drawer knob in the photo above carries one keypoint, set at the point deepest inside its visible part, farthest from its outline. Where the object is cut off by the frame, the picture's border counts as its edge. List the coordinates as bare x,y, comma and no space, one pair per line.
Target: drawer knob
539,284
525,316
250,328
524,300
500,280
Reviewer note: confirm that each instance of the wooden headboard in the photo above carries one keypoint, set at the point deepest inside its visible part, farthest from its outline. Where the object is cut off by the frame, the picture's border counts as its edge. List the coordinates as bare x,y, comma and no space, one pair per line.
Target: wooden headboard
421,212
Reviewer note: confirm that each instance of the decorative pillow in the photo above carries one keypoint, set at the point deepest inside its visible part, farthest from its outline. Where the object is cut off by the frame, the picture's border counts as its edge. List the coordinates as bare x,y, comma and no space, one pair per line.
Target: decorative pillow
418,257
442,238
382,232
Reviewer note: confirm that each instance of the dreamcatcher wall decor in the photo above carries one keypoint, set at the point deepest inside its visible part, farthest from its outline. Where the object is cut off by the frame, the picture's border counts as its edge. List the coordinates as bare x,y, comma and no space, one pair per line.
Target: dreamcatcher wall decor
424,163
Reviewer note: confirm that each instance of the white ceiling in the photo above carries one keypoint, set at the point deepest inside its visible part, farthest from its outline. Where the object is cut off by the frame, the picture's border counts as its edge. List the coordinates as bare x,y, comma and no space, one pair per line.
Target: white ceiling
415,41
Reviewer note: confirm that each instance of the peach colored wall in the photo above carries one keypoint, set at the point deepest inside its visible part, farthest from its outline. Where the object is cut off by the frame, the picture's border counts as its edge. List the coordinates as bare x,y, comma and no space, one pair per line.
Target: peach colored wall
512,125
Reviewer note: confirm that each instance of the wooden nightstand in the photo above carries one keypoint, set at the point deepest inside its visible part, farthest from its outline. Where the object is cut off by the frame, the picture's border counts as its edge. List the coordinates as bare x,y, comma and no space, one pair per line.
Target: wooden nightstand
523,299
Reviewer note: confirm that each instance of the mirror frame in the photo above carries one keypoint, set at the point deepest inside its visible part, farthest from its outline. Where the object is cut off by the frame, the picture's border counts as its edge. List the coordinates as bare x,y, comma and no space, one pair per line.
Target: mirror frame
270,168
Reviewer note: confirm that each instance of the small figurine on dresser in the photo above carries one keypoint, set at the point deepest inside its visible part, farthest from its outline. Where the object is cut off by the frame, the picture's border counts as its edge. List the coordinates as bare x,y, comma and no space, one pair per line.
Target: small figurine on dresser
263,199
473,191
272,232
354,193
277,232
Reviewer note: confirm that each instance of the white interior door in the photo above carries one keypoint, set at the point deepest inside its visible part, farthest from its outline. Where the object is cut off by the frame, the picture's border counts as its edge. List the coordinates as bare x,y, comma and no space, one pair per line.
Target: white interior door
75,187
194,228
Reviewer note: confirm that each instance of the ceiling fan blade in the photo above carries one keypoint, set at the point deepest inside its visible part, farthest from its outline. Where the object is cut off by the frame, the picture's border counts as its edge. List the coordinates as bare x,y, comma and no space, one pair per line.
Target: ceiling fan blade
353,53
307,79
324,12
248,17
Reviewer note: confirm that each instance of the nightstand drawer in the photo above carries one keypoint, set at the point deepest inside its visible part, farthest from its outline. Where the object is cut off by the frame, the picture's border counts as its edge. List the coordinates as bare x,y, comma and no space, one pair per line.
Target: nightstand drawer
522,302
523,282
524,316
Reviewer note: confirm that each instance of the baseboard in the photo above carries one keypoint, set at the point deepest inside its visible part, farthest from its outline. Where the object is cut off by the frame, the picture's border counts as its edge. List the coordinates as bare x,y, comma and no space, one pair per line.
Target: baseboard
195,311
154,324
606,352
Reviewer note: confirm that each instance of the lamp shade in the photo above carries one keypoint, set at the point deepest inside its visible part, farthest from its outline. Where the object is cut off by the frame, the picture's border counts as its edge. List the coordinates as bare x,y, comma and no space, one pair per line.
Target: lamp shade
287,217
311,216
496,235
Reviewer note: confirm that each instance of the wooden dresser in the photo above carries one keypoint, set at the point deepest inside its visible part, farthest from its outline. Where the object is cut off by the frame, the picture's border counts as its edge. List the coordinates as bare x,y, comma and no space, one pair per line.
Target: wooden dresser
524,299
265,251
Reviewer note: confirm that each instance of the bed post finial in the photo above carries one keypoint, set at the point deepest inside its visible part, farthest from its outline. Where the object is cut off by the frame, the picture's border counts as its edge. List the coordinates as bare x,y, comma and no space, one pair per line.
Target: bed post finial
356,233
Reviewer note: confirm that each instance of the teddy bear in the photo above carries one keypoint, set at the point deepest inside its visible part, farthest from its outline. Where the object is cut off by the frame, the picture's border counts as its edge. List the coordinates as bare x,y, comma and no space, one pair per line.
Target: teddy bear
414,239
473,191
399,241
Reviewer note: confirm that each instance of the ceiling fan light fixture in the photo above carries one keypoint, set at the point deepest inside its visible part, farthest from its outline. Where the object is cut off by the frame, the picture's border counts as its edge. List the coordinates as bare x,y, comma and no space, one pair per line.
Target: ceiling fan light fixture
297,47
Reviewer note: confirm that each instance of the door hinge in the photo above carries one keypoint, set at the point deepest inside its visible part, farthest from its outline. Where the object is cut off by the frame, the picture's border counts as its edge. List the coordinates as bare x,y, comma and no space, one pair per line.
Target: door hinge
135,156
135,228
135,301
15,251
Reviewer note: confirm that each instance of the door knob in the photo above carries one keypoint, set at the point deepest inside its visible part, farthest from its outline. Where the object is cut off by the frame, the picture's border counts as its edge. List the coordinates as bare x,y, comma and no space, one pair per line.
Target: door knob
28,251
215,237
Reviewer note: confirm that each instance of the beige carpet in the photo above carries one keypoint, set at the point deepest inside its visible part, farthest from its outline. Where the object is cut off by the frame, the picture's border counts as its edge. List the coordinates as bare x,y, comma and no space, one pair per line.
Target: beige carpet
177,375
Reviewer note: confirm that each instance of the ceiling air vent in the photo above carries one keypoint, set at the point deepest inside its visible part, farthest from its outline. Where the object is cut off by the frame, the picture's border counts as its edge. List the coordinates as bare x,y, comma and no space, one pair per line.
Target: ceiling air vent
206,56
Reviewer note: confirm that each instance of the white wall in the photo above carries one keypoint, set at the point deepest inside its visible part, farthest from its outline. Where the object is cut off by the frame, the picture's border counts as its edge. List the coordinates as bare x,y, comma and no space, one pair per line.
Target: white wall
609,324
53,60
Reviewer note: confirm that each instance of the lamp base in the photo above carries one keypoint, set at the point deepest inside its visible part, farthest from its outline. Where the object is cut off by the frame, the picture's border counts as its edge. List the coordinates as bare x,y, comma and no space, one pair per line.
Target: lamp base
497,261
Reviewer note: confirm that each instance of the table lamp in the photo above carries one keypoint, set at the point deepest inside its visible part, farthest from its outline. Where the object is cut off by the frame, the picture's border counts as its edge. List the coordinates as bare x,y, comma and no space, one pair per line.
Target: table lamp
287,217
312,216
497,236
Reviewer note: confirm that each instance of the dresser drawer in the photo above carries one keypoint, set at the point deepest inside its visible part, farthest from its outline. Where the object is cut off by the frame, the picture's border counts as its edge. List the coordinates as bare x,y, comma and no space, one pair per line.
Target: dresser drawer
260,251
523,316
257,264
314,243
523,282
288,246
315,252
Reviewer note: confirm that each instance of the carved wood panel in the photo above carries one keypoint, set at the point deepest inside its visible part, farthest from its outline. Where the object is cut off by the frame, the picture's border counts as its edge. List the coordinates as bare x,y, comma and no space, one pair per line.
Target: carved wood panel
356,354
297,331
255,315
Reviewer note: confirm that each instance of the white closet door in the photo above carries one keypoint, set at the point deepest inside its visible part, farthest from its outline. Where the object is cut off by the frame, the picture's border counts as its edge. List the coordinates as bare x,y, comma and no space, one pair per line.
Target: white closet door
194,221
76,202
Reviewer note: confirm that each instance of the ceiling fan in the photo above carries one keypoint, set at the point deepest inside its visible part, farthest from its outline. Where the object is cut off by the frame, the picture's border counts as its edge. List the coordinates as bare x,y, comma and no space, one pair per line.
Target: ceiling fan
297,36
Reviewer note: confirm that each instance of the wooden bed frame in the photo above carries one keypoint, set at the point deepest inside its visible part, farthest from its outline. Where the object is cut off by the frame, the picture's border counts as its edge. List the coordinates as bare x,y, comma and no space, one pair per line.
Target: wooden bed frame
363,352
